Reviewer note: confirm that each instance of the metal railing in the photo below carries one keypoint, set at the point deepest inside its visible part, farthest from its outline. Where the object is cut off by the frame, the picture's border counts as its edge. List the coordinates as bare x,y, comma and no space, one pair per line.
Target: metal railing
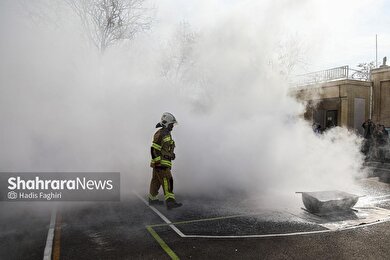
339,73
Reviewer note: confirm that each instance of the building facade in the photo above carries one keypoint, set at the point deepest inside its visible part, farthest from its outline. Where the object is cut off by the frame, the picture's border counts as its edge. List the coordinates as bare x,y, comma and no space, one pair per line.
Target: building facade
345,97
381,95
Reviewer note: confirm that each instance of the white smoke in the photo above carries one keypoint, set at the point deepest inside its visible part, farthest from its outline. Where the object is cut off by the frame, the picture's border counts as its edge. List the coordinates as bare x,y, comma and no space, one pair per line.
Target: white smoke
63,107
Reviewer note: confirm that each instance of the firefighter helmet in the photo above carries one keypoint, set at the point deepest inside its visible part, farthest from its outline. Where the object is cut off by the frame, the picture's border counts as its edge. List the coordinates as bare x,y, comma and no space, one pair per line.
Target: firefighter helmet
167,119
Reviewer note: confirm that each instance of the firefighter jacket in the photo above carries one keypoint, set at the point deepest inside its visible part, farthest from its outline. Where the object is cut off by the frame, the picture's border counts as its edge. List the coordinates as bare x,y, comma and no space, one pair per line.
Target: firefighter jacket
162,149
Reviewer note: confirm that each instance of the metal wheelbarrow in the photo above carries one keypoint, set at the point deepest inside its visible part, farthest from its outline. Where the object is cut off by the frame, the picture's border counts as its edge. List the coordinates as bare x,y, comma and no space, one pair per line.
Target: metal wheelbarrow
328,201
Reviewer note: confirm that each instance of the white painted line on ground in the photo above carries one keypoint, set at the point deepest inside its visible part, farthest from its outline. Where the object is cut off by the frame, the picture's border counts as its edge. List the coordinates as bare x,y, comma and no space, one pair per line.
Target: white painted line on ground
376,199
381,200
50,236
164,218
181,234
377,168
290,234
379,197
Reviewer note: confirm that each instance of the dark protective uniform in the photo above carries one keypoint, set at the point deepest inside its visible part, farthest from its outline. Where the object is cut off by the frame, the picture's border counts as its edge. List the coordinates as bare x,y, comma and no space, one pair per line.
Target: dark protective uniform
162,152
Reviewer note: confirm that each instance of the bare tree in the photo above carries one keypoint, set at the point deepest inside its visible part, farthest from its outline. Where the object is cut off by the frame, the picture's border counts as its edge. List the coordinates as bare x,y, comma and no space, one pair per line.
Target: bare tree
179,54
182,66
291,55
364,70
107,22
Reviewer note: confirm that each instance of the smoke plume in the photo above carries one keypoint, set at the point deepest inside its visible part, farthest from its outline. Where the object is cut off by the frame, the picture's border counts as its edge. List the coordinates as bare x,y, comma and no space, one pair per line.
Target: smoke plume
66,107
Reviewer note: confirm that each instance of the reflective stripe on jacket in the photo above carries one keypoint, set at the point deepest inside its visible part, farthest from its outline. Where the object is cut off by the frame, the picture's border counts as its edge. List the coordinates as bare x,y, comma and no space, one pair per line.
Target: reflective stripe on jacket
162,149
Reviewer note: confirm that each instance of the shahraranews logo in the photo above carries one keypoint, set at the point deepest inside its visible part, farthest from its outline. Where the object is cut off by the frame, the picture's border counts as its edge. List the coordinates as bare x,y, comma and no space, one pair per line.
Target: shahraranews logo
72,184
39,189
60,186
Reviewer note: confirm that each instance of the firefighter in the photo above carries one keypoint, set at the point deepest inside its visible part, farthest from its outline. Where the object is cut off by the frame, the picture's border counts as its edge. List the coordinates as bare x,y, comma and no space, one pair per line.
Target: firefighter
368,144
162,151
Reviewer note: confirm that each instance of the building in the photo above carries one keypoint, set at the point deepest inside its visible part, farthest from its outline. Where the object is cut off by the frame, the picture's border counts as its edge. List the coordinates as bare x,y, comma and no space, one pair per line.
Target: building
345,97
380,80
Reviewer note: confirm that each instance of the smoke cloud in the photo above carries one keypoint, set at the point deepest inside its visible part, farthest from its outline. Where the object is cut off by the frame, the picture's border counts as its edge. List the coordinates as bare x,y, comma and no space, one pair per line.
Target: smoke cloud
65,107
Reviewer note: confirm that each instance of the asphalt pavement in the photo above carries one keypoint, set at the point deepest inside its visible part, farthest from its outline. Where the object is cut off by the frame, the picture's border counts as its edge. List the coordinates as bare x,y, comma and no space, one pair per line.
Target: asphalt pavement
130,229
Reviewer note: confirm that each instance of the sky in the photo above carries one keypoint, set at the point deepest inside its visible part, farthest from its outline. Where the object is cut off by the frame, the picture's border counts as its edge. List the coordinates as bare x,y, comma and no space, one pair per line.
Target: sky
336,33
357,43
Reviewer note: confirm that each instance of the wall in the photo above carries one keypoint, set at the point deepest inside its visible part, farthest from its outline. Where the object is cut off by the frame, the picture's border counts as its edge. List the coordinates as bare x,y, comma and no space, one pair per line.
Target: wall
341,95
381,95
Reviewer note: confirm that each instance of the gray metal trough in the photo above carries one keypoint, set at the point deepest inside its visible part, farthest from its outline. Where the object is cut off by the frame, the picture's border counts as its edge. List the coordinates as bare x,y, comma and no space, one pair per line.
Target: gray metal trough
328,201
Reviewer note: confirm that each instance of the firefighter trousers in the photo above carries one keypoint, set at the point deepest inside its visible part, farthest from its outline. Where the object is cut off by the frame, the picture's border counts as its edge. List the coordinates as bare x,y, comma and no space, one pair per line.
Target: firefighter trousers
161,177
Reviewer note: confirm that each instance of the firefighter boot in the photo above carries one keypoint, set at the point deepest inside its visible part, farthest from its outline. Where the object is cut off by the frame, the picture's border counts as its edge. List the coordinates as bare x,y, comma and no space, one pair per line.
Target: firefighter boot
171,204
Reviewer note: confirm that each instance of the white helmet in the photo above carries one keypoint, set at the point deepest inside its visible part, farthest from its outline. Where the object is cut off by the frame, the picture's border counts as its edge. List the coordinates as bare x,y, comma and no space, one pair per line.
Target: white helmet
167,118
